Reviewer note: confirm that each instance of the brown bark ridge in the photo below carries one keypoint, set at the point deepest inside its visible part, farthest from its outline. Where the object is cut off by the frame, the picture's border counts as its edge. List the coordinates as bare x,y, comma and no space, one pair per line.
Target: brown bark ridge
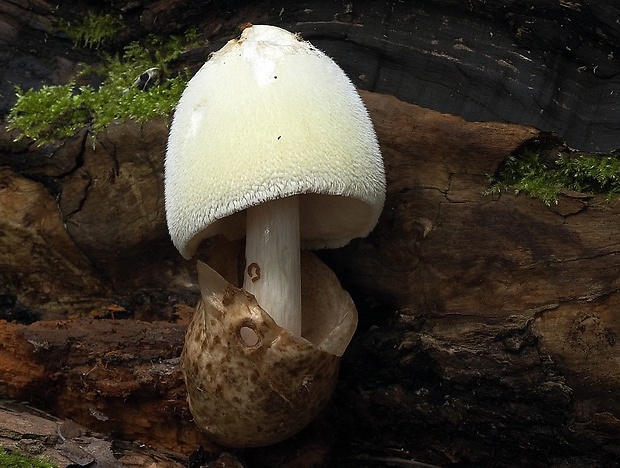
86,224
114,376
488,330
504,326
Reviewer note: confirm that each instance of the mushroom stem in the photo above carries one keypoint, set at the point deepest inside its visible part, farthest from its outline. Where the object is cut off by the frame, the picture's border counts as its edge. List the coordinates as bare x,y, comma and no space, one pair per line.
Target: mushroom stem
272,273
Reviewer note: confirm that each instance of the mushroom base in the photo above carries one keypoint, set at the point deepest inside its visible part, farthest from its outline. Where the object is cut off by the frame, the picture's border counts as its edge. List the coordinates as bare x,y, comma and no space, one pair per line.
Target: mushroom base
252,383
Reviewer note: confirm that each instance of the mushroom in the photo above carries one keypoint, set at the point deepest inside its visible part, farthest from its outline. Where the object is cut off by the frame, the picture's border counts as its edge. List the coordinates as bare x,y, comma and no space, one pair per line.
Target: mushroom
271,141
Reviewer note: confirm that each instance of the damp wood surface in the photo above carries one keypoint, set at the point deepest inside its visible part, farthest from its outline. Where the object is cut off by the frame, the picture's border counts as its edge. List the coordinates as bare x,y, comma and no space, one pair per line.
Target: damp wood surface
487,323
488,331
113,376
546,63
64,443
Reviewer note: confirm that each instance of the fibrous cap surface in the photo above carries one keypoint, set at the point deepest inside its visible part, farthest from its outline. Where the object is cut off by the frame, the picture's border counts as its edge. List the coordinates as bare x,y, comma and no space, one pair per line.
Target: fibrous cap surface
269,116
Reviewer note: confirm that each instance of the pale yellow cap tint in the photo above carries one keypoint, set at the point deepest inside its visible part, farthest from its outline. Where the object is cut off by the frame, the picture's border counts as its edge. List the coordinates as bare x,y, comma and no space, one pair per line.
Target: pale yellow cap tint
266,117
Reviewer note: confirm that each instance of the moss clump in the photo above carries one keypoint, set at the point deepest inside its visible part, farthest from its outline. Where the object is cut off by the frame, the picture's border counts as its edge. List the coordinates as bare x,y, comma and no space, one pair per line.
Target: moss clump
52,112
94,30
57,112
587,173
14,460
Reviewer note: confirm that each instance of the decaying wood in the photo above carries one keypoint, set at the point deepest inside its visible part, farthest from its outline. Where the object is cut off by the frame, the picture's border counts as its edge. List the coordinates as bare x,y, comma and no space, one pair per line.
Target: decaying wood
504,327
488,324
115,376
67,444
548,63
488,328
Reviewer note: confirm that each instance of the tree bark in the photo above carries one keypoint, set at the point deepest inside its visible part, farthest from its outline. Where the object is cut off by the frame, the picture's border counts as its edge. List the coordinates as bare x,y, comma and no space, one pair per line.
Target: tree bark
488,330
113,376
546,63
496,313
67,444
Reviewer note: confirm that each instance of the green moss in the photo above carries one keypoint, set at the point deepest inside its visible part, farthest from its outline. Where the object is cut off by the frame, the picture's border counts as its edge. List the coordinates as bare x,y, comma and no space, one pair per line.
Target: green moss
57,112
53,112
14,460
94,30
598,174
587,173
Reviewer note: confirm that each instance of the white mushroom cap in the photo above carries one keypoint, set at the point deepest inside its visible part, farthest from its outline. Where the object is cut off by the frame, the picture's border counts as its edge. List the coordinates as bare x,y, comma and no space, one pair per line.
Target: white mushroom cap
269,116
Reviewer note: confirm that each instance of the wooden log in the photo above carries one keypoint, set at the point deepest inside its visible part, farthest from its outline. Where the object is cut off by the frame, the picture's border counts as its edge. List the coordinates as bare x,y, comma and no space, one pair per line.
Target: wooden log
65,443
115,376
547,63
487,323
495,317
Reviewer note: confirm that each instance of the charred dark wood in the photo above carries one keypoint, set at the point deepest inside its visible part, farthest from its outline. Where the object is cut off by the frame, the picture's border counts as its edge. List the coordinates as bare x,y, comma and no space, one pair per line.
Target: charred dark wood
551,64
